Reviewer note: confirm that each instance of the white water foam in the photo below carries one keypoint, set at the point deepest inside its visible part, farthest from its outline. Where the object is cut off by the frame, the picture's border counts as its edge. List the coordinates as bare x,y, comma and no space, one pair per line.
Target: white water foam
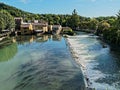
82,56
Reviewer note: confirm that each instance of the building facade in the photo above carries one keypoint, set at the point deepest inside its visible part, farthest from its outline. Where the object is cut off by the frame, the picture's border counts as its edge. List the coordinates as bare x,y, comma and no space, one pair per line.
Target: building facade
18,22
26,28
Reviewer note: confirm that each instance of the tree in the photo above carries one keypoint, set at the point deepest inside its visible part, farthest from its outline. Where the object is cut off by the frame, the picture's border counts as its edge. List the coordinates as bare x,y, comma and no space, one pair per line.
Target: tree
111,29
74,21
93,24
6,20
84,25
56,19
2,26
118,20
118,37
102,26
111,21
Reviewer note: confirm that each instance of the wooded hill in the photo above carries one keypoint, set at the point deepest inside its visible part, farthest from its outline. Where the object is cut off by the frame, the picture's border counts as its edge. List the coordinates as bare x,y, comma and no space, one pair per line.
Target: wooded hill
13,10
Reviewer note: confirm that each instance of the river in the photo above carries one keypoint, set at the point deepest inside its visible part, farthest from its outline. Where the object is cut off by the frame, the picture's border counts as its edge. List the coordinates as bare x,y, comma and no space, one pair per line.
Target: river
100,63
39,63
46,63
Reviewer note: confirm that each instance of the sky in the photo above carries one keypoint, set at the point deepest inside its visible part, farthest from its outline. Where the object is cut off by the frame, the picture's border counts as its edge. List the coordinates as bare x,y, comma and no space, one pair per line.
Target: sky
88,8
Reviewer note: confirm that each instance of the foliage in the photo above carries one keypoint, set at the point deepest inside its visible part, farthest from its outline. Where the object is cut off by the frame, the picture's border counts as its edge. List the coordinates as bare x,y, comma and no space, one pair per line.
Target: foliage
68,31
103,25
6,20
74,20
84,25
93,24
12,10
118,20
2,24
112,34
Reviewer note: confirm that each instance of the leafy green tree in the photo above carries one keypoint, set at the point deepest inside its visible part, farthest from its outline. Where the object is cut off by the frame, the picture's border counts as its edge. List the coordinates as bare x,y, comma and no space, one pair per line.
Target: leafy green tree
118,37
103,25
118,20
93,24
74,21
111,29
2,26
7,21
84,25
57,19
111,21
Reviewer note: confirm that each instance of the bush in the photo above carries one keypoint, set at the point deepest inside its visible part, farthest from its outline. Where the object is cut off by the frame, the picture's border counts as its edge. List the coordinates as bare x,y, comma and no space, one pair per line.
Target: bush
68,31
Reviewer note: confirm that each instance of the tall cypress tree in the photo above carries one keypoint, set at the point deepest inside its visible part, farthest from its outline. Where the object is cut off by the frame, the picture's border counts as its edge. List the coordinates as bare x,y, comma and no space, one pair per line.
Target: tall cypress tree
74,20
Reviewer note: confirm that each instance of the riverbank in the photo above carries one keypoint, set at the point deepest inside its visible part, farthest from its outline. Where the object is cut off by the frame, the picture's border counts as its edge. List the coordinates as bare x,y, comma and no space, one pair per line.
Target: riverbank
86,30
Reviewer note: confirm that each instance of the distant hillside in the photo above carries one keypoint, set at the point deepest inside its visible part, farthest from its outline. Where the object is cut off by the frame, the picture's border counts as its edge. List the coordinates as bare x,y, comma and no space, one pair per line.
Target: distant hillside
27,16
52,19
13,10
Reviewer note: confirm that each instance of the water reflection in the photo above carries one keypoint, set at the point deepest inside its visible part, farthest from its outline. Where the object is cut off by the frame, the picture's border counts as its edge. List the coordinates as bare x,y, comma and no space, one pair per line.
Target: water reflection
56,38
8,50
24,39
41,63
42,38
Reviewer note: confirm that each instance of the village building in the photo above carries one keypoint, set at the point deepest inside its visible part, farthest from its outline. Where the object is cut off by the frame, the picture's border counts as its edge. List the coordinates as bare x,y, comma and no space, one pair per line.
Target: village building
40,26
50,28
37,27
18,22
26,28
56,29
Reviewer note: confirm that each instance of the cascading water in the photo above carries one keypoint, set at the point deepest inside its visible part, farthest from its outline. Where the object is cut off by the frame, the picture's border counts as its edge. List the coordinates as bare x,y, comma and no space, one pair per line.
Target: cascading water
96,60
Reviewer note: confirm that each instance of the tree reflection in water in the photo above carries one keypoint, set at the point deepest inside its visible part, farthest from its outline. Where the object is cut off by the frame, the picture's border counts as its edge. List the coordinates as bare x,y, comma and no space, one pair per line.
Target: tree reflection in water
8,51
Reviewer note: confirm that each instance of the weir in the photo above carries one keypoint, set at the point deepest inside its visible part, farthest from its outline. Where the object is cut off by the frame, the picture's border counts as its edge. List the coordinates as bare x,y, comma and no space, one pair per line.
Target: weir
99,65
75,55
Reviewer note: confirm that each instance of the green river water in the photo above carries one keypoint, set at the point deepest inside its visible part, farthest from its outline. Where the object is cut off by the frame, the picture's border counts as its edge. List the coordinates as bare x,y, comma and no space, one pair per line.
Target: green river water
38,63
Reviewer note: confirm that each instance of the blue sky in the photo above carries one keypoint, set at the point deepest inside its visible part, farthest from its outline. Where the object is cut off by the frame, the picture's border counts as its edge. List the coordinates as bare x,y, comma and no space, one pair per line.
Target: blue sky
89,8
